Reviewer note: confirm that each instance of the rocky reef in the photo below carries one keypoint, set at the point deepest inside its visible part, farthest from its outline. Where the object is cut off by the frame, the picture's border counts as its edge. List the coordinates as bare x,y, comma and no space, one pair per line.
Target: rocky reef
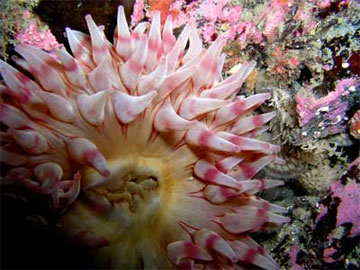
308,58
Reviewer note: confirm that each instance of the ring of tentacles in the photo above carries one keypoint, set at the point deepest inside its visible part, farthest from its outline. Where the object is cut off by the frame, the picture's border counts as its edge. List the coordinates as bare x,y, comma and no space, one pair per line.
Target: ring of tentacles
159,145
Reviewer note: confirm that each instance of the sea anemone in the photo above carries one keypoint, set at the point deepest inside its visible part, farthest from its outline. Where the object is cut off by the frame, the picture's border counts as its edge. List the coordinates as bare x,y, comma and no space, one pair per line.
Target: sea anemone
149,153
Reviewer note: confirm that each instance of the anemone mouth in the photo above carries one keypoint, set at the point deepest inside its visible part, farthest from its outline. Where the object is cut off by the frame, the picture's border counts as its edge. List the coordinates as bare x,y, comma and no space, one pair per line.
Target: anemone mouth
136,183
131,185
129,216
162,150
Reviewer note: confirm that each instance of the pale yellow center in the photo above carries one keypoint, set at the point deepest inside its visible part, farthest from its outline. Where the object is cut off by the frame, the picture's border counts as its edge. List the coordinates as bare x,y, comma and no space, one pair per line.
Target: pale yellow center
137,210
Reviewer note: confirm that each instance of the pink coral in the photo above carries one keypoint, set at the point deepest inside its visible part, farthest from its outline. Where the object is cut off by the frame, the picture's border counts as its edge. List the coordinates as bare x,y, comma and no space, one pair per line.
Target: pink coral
138,13
224,18
332,107
274,16
231,14
343,204
218,12
246,32
211,9
348,210
185,13
41,39
210,14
